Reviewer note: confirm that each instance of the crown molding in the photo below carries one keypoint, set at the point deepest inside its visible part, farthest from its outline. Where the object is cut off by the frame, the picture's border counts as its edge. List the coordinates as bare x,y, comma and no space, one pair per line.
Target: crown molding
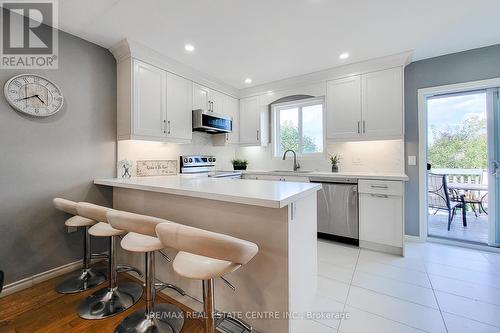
396,60
127,48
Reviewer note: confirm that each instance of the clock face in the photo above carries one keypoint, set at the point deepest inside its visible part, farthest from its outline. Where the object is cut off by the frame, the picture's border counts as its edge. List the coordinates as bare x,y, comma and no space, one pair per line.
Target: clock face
33,95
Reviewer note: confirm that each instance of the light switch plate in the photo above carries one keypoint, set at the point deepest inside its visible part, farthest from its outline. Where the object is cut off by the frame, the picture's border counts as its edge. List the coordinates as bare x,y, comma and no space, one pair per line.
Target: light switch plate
412,160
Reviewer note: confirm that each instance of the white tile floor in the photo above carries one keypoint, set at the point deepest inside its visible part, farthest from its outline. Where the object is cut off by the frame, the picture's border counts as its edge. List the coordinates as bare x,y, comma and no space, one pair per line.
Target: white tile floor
435,288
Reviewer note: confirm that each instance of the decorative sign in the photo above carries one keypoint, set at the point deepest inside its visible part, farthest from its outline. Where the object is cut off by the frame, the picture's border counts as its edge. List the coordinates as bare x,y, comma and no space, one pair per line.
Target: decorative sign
156,168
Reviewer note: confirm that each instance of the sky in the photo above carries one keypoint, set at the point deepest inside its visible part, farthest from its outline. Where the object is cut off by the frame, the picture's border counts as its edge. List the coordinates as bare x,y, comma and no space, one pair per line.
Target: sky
452,110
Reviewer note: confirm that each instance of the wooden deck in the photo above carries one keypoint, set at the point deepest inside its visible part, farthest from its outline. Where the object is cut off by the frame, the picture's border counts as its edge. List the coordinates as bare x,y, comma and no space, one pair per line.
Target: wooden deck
476,231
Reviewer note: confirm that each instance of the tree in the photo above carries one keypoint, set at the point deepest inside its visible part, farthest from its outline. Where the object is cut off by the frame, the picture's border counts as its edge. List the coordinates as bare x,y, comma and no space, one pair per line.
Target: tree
460,147
289,138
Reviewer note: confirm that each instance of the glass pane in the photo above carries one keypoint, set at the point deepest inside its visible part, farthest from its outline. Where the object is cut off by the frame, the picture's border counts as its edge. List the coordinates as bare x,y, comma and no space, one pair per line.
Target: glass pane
289,129
312,129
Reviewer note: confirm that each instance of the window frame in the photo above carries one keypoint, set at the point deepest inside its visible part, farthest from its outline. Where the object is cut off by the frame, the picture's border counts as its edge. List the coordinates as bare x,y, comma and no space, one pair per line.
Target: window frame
300,104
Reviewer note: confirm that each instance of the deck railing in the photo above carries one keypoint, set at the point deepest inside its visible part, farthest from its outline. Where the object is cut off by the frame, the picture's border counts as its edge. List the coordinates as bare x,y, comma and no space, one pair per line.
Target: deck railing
464,176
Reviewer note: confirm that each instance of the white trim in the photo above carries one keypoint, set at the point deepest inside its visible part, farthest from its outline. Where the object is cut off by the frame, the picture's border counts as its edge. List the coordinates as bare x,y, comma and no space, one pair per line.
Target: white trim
423,94
480,247
40,277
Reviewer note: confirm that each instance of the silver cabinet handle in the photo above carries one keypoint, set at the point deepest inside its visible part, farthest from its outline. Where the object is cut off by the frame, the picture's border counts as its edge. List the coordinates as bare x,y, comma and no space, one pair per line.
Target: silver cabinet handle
358,128
379,186
364,127
258,135
168,123
379,195
164,128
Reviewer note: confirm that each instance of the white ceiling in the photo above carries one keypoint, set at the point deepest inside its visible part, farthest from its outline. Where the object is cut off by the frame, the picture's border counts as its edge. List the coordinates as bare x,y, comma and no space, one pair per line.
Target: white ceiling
269,40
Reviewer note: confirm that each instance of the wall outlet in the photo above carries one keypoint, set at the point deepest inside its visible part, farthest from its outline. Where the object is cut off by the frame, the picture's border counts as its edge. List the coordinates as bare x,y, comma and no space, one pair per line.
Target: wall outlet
72,229
412,160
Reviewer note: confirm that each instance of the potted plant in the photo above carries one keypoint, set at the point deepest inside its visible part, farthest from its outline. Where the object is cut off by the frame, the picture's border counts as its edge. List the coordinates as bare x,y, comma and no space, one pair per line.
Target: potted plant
335,160
239,164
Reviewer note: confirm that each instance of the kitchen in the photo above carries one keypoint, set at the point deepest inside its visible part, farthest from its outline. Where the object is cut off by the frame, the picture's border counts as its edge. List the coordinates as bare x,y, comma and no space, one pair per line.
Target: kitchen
285,201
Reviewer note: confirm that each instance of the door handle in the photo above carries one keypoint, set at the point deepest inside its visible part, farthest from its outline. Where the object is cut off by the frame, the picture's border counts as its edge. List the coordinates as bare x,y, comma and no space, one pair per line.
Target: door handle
379,186
379,195
164,128
364,127
358,128
495,167
168,123
258,135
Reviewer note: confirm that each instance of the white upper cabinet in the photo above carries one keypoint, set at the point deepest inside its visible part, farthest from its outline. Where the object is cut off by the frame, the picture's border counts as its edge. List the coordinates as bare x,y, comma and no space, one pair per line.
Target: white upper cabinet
367,106
150,107
179,108
201,97
383,103
343,108
252,122
153,104
218,101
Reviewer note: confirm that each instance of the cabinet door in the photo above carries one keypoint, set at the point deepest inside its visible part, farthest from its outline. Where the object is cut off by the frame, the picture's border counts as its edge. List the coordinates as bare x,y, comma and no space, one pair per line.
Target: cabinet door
179,107
150,94
380,219
343,105
250,121
383,104
201,96
218,100
232,109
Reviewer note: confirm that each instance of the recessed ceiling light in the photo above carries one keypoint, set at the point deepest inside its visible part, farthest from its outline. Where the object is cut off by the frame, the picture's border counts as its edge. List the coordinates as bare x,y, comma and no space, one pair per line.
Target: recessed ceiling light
344,56
248,80
189,47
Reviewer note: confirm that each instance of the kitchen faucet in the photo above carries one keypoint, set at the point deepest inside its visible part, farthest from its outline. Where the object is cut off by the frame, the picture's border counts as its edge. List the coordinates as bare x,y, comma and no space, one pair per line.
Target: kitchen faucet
296,165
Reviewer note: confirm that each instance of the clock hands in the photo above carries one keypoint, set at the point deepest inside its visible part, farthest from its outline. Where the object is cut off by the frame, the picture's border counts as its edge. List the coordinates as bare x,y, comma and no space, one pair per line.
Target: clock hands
37,96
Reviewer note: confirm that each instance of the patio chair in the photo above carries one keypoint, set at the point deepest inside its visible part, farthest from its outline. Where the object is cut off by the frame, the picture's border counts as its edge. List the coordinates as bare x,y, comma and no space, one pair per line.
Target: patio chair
440,198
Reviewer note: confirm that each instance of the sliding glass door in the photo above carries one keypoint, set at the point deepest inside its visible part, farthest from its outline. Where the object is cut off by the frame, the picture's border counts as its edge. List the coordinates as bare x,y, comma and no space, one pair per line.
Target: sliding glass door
493,115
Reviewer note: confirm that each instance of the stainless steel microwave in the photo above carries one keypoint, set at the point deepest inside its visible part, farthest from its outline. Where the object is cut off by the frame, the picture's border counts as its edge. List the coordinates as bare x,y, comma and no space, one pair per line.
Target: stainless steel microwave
211,122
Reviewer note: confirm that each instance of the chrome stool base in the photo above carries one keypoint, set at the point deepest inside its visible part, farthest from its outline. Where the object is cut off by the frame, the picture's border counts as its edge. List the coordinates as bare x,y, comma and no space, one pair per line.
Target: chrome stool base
83,280
107,302
165,318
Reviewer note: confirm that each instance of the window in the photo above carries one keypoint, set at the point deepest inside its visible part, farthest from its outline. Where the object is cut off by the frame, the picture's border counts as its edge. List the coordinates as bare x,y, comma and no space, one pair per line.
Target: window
298,125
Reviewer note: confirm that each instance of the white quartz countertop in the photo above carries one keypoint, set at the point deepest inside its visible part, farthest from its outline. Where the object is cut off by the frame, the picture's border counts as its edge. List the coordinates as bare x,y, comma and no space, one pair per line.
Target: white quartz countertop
319,174
273,194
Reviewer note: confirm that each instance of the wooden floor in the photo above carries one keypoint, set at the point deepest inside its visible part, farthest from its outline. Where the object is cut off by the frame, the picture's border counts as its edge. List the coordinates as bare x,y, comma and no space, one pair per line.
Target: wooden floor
42,309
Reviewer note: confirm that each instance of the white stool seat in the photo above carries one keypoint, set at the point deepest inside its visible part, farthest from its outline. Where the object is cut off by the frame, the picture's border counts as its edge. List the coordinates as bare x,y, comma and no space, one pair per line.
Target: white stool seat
102,229
135,242
79,221
198,267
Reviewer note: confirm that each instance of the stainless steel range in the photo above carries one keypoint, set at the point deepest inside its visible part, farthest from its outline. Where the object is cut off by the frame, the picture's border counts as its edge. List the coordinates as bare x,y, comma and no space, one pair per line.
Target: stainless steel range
204,165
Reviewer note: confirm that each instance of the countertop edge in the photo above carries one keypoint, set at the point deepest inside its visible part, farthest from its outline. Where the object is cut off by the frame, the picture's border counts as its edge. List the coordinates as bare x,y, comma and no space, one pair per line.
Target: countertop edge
210,196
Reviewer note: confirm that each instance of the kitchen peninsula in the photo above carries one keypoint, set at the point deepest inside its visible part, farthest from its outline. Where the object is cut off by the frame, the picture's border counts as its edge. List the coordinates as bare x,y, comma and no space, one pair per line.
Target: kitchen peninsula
280,217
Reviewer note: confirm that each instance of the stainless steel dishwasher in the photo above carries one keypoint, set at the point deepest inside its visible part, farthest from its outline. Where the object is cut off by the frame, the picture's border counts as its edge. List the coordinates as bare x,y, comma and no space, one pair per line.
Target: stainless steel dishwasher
338,209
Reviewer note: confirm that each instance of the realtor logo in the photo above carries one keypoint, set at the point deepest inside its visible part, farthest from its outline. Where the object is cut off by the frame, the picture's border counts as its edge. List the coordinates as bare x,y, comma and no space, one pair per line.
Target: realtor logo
29,38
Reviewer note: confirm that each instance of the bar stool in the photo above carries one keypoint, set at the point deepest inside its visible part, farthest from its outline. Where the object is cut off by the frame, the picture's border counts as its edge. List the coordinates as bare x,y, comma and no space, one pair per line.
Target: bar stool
205,255
114,298
88,277
142,238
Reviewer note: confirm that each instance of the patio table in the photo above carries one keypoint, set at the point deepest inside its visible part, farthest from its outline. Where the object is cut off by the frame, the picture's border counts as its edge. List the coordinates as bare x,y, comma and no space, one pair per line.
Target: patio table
469,188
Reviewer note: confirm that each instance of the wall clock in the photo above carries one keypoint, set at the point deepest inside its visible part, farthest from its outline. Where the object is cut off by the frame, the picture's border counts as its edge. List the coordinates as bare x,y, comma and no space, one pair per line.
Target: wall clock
33,95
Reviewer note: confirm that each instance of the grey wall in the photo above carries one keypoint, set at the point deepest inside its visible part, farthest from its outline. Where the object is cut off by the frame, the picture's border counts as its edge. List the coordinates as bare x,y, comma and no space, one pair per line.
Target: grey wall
477,64
57,156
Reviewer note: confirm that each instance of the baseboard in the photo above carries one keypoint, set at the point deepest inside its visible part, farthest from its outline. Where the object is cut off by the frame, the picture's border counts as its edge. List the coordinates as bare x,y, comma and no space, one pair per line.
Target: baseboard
411,238
40,277
382,247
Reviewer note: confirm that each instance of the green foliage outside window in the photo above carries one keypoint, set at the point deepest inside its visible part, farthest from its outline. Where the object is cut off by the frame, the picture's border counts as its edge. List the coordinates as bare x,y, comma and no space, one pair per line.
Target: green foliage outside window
289,139
460,147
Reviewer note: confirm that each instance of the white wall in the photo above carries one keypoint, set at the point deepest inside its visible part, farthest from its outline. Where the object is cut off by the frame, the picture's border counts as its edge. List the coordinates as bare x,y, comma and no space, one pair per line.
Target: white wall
361,156
134,150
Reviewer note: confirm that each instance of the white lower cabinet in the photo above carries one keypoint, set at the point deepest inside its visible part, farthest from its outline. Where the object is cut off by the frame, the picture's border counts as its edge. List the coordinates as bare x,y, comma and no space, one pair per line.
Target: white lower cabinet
381,220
